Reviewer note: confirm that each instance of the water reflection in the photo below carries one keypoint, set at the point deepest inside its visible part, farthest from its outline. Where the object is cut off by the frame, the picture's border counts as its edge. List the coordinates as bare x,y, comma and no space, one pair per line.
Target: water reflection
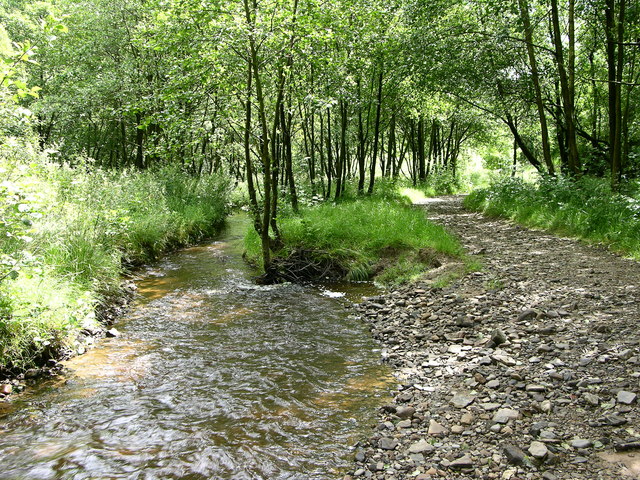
213,377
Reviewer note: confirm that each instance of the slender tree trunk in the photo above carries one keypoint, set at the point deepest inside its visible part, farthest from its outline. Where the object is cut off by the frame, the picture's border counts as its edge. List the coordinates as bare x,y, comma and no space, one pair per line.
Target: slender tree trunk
342,157
422,172
392,147
376,137
286,121
544,132
253,200
329,154
567,80
615,63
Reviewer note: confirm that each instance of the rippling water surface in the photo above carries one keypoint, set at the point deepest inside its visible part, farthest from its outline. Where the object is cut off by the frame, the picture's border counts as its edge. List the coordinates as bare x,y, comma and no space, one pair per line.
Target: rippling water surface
213,378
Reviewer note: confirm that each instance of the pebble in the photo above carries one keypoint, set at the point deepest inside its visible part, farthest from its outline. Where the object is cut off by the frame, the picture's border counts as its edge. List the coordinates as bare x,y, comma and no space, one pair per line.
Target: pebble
421,446
505,414
462,400
436,429
387,443
538,450
625,397
462,463
581,443
112,333
514,455
405,412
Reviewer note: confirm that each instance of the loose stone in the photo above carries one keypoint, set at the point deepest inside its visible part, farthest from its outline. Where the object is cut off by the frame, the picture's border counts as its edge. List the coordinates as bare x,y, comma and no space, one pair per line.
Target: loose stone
505,414
625,397
462,400
437,429
538,450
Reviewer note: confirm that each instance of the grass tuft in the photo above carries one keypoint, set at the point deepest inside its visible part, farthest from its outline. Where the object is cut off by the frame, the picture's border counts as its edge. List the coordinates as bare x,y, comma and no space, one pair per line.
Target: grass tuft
359,234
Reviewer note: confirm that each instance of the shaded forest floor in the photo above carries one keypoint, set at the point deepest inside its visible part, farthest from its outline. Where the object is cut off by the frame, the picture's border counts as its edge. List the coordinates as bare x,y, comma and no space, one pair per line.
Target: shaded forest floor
528,369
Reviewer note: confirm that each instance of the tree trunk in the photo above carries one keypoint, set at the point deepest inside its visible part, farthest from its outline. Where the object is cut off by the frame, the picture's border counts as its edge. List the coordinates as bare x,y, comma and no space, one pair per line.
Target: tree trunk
544,132
567,81
376,137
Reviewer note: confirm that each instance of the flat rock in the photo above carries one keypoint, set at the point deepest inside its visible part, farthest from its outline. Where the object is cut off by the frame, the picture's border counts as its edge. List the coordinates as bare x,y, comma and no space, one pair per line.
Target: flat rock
505,414
514,455
437,429
505,360
462,400
581,443
387,443
591,399
467,419
625,397
405,412
112,333
421,446
462,463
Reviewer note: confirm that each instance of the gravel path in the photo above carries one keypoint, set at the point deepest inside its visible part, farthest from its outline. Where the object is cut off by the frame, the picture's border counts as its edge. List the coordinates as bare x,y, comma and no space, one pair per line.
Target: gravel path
529,369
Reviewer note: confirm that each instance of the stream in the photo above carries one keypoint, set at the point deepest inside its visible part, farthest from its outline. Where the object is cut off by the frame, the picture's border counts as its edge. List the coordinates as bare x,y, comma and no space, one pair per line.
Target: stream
212,377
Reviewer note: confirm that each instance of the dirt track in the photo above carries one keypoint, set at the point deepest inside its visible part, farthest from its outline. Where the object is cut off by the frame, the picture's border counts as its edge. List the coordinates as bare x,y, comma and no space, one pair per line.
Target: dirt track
529,369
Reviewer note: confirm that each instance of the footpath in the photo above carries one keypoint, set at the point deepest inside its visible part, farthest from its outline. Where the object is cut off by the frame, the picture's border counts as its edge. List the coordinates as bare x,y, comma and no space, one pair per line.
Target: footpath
528,369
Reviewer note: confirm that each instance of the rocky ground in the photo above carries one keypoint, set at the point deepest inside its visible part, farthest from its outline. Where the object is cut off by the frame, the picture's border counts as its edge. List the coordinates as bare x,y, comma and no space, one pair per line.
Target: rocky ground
528,369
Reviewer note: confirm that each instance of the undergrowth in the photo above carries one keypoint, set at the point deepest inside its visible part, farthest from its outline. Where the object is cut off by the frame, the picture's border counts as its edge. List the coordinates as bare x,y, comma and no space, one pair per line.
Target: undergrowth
362,237
70,234
585,208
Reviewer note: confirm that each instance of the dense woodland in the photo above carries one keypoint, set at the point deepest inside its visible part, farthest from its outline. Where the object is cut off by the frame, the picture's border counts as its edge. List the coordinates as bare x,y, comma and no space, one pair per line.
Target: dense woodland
296,101
301,97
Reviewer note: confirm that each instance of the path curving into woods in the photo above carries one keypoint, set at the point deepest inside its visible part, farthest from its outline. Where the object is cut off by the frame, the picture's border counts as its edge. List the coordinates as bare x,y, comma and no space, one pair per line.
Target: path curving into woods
528,369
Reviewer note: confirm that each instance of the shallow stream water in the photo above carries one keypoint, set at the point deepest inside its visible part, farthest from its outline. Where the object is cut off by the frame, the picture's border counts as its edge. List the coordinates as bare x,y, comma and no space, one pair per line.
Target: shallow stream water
213,377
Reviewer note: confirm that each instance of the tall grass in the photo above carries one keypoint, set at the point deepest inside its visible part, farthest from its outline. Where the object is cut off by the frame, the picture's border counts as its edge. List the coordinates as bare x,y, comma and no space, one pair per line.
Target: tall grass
72,233
585,208
357,234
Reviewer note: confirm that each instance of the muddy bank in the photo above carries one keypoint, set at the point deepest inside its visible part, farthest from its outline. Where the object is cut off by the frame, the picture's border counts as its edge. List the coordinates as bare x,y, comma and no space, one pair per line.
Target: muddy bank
529,369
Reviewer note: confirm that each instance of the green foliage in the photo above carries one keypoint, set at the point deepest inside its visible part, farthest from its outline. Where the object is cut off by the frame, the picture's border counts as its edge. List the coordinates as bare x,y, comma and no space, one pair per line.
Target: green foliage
586,208
358,234
68,233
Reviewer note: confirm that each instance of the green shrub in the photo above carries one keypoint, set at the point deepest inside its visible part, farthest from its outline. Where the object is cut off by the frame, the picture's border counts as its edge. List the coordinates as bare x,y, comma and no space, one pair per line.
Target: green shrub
586,208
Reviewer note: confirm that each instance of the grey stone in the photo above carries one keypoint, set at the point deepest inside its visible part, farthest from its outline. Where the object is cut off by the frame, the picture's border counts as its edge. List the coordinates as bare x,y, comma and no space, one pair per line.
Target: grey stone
591,399
514,455
505,360
505,414
113,332
498,337
581,443
462,463
538,450
387,443
462,400
421,446
625,397
405,412
436,429
528,314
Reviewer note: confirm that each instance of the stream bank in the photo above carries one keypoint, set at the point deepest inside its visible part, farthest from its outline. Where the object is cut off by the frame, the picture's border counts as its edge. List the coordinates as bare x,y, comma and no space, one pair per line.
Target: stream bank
211,377
529,369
